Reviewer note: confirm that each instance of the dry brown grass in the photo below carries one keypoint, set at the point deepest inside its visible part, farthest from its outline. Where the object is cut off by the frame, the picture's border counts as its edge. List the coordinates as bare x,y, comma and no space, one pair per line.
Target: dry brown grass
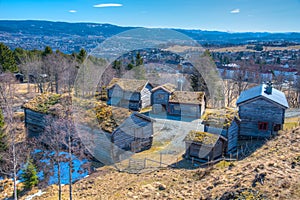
274,159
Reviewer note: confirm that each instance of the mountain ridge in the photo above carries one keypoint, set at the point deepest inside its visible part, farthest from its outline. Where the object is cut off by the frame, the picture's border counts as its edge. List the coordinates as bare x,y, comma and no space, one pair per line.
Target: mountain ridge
71,36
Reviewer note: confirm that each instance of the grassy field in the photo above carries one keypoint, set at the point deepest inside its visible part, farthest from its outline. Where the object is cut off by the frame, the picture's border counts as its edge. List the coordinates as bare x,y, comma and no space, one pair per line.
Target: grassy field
291,123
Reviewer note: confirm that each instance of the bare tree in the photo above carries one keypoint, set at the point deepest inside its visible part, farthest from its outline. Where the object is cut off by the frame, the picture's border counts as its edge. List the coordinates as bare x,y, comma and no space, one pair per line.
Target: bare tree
240,79
60,136
14,156
230,92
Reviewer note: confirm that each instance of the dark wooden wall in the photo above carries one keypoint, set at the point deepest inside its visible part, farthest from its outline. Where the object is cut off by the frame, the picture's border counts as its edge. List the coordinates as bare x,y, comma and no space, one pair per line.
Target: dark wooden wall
259,110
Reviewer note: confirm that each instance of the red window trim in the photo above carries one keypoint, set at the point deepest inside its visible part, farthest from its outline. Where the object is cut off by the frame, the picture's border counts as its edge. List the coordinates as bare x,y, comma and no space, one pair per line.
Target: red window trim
263,126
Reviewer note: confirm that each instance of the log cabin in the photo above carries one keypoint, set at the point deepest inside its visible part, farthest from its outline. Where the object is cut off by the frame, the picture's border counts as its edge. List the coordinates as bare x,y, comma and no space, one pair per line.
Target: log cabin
224,122
160,97
204,146
129,93
261,111
135,134
187,104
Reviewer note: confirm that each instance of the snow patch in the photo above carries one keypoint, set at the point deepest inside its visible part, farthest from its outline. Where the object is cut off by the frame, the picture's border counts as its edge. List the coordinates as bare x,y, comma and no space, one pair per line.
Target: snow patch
38,194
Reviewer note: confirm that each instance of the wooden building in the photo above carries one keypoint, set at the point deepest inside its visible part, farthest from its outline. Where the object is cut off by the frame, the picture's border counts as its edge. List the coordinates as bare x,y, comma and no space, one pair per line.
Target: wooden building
135,134
224,122
160,97
129,93
35,122
187,104
261,111
204,146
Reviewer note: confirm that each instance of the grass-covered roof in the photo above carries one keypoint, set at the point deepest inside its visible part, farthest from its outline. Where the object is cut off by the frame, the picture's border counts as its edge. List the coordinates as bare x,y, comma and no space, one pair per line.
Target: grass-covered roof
202,137
44,103
186,97
220,118
96,114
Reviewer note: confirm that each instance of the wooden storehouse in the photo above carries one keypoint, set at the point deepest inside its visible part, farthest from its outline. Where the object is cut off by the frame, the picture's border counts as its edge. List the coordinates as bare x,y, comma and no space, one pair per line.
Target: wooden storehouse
223,122
129,93
261,111
187,104
35,122
204,146
135,134
160,97
39,110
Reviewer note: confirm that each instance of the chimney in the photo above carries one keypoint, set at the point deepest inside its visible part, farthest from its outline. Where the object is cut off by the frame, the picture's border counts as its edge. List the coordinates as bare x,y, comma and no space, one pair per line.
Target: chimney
269,88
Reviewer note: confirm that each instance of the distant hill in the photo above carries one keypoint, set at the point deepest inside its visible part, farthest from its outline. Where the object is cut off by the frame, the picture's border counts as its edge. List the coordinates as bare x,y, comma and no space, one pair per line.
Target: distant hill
69,37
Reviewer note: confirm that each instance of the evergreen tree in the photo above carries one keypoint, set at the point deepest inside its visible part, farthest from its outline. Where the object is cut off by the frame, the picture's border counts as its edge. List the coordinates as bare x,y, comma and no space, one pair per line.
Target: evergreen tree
139,59
7,59
82,55
47,51
30,175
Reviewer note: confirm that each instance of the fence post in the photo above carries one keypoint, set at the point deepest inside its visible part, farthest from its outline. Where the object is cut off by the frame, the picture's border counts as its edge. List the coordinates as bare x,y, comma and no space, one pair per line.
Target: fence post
145,163
208,162
129,163
237,155
160,159
193,161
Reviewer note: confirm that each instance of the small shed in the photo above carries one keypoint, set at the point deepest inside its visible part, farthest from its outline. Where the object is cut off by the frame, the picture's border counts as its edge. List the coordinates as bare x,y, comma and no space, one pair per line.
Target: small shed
204,146
40,109
224,122
261,111
187,104
135,134
160,97
129,93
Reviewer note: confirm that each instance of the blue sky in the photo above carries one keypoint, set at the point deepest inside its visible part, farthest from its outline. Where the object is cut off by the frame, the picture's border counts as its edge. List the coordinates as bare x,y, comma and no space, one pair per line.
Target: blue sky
223,15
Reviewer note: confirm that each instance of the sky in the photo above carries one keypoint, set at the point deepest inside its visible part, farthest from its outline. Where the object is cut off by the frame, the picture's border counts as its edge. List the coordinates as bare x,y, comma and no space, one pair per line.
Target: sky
220,15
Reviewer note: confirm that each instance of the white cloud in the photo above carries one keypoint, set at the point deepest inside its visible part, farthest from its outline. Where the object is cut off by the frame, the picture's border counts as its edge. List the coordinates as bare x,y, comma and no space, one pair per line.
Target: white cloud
72,11
235,11
104,5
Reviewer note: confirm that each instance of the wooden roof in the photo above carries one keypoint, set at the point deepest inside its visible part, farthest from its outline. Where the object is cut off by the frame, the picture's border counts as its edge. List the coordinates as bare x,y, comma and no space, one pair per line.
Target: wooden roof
168,87
131,85
186,97
205,138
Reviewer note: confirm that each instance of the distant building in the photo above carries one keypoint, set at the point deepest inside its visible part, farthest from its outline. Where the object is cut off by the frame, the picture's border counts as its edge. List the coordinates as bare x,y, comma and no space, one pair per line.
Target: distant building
129,93
261,111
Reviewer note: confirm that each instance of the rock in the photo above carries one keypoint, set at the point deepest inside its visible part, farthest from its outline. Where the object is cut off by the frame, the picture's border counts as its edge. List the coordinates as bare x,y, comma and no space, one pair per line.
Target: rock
161,187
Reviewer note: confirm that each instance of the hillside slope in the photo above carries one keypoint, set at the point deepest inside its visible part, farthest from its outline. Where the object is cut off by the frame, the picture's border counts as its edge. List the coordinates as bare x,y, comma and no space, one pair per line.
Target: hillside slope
272,172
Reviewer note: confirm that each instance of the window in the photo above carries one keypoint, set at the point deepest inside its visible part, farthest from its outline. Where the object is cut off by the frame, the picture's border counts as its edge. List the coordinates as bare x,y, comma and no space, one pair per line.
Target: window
262,126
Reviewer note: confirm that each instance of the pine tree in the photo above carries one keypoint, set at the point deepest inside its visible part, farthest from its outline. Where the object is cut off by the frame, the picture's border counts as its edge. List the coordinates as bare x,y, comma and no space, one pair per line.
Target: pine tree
82,55
7,59
30,175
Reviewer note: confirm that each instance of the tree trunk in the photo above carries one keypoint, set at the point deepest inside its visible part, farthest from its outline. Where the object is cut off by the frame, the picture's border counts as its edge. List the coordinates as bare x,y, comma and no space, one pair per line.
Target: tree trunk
15,171
56,83
59,180
70,165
